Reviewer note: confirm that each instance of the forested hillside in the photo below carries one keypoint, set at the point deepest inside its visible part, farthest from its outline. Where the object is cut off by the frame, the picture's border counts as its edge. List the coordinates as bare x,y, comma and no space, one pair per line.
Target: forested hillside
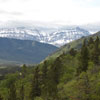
15,51
74,75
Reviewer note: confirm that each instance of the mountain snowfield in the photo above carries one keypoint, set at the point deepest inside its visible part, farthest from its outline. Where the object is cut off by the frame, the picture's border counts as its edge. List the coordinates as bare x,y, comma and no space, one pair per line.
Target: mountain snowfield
54,36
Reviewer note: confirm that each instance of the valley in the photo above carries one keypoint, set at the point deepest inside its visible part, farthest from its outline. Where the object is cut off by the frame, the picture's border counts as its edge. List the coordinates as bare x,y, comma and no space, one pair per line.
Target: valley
69,73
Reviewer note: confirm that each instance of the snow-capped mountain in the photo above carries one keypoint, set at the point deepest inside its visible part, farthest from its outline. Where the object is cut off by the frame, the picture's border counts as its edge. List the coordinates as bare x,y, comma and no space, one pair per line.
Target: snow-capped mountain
55,36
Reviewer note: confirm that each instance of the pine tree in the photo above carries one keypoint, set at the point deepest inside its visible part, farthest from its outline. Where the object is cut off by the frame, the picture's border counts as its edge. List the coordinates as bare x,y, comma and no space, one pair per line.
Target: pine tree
84,56
36,90
83,60
54,78
12,92
45,81
83,86
24,70
44,72
91,41
96,51
22,92
72,52
57,69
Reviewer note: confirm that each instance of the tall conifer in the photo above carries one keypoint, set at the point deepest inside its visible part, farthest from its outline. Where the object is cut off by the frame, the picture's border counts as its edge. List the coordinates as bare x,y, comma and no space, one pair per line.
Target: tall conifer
36,91
96,51
54,78
83,60
12,92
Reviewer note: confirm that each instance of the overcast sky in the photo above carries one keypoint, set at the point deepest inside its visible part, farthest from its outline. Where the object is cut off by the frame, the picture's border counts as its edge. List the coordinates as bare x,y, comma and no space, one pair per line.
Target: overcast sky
53,11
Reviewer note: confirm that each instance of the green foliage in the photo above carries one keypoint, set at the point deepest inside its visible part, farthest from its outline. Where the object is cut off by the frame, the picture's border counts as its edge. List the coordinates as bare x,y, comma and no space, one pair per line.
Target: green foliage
36,91
12,92
22,92
72,52
70,76
96,51
24,70
91,41
44,87
83,60
38,98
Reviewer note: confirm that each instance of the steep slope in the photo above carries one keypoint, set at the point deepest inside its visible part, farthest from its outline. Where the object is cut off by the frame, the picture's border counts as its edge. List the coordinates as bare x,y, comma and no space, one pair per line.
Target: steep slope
74,44
23,51
55,36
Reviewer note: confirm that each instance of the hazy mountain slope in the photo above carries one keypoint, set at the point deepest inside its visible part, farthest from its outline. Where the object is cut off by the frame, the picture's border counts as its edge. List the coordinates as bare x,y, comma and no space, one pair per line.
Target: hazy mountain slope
23,51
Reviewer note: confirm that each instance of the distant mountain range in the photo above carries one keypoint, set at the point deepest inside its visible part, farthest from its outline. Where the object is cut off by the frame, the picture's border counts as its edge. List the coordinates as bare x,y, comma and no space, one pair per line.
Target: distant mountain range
92,28
56,36
27,43
23,51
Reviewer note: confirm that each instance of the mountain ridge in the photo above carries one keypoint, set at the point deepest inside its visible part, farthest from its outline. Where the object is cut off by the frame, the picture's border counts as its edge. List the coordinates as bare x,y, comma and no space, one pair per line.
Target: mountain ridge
54,36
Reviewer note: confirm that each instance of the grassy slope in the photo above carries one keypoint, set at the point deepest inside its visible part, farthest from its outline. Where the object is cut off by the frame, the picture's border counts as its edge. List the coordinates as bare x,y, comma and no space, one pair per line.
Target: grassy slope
74,44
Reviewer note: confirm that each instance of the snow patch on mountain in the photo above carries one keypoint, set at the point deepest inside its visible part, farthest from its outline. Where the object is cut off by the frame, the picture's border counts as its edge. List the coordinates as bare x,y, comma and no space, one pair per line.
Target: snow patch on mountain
54,36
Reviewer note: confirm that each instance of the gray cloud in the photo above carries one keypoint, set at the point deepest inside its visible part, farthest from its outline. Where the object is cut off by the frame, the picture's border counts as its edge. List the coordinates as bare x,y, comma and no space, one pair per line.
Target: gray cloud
15,13
10,13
